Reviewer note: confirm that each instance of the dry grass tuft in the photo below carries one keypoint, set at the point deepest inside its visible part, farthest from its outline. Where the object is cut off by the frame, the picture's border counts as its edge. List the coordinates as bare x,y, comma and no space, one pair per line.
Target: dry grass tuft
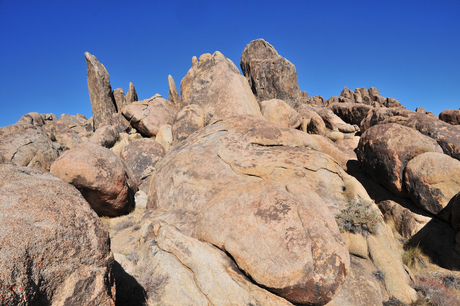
358,217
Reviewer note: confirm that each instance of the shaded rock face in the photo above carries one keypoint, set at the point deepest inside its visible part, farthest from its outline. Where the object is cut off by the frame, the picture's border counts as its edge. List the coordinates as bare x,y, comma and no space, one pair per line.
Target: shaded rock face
173,94
119,98
141,156
303,268
351,113
270,75
54,248
188,120
104,180
451,116
384,151
216,85
26,145
63,135
100,91
245,157
105,136
432,180
148,115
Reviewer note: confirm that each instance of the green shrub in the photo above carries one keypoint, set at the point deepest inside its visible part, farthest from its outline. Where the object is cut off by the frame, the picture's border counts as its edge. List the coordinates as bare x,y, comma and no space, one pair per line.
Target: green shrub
358,217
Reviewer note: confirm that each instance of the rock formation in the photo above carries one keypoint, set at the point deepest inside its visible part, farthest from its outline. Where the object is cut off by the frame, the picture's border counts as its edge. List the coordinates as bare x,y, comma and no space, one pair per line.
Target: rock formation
270,75
100,91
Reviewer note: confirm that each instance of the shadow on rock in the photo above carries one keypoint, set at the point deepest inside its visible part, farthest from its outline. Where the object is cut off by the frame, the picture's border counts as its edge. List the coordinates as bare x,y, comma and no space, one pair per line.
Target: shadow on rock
129,291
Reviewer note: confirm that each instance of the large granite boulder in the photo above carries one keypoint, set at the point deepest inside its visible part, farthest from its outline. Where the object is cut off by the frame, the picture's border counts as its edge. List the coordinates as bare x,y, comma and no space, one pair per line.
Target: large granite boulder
148,115
27,145
54,248
105,136
237,156
141,156
432,180
104,180
279,112
293,247
451,116
100,91
188,120
269,75
215,84
384,151
352,113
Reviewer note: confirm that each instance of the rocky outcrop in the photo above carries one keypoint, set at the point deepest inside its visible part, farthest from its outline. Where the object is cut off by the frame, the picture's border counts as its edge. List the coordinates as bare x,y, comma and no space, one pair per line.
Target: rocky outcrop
120,99
451,116
105,136
188,120
131,95
269,75
384,151
104,180
432,180
27,145
334,122
54,248
141,156
279,112
148,115
311,121
352,113
100,91
216,85
173,95
274,252
369,96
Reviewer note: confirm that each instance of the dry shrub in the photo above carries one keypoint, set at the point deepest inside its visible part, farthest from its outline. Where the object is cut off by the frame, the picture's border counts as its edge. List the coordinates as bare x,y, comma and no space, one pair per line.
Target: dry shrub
435,291
358,217
121,225
414,258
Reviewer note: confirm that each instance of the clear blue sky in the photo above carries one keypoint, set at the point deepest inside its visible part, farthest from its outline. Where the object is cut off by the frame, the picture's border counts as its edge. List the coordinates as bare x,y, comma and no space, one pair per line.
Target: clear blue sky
409,50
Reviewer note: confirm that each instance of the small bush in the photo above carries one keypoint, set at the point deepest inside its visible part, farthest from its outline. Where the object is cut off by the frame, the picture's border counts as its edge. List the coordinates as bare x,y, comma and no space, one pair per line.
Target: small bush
358,217
414,258
123,224
393,302
435,291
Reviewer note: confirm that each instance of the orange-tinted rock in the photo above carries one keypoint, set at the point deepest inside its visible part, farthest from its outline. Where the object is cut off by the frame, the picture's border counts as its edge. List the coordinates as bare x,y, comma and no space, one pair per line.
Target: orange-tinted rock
384,151
54,248
188,120
279,112
148,115
269,75
100,91
432,180
104,180
216,85
282,235
451,116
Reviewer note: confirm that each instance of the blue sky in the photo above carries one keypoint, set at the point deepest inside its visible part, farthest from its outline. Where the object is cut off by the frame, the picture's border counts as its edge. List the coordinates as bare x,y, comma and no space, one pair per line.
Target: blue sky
409,50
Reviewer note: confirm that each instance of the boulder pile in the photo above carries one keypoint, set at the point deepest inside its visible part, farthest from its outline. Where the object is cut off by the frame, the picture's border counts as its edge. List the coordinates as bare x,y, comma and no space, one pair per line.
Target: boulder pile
242,190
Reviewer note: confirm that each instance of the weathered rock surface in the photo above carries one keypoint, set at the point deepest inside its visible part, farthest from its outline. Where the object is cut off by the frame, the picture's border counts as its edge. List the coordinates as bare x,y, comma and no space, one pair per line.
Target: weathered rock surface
104,180
384,151
432,180
213,269
269,75
141,156
26,145
105,136
451,116
131,95
165,137
277,252
351,113
279,112
63,135
188,120
360,288
311,121
216,85
247,149
119,98
173,94
100,91
447,135
54,248
148,115
333,122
